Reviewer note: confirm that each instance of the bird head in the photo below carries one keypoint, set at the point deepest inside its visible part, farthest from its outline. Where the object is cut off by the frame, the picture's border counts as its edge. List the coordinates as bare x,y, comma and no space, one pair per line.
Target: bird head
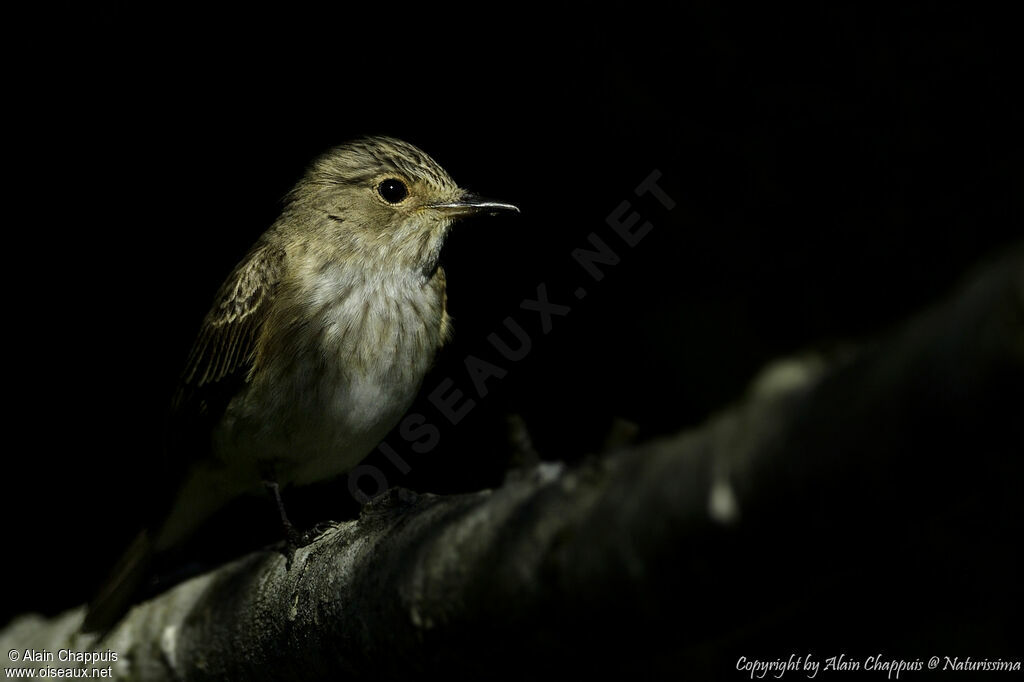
385,200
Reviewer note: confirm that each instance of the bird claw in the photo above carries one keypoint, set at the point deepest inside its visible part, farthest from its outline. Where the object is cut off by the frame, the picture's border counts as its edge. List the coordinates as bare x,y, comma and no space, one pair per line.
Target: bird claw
318,529
296,539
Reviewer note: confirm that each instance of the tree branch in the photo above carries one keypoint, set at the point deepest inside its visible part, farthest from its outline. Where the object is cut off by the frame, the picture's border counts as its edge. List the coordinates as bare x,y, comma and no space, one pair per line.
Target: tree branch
840,480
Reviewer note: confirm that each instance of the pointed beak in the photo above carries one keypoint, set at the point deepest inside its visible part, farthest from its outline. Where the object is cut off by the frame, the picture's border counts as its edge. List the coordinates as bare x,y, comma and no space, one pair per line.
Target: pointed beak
471,204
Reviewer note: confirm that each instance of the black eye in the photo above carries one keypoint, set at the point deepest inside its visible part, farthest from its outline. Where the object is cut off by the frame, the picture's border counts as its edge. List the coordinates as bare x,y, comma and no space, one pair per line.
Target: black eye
392,190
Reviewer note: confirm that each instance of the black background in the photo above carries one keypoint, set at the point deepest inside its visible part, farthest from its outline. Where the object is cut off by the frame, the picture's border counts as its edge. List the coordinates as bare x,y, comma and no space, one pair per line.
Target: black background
835,169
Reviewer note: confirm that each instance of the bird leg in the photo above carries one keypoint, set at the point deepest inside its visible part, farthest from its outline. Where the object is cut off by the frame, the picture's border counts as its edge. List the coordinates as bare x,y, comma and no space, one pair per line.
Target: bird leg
293,538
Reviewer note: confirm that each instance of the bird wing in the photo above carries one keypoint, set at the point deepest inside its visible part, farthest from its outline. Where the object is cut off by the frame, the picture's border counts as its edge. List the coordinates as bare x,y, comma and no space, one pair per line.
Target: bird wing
222,355
227,338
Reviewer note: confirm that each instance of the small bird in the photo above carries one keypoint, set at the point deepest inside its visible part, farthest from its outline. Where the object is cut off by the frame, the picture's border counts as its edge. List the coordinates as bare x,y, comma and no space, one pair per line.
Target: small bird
315,346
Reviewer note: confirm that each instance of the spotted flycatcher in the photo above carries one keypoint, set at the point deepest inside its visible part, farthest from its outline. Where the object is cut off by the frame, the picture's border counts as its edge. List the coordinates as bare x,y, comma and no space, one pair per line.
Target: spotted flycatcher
316,343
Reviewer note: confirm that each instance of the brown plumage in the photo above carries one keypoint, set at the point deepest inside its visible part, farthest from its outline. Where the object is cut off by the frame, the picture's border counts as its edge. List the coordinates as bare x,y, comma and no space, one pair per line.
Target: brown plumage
316,343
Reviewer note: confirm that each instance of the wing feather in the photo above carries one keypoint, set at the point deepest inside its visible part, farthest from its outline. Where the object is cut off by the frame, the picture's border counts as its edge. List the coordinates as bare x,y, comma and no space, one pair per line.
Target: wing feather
225,346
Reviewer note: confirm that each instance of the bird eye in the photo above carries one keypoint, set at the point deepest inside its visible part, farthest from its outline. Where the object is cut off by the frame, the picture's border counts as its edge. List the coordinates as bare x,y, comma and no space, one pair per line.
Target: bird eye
392,190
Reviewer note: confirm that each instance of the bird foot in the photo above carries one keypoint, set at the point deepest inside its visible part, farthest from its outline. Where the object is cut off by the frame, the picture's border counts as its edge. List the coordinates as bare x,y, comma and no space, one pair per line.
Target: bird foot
311,535
296,539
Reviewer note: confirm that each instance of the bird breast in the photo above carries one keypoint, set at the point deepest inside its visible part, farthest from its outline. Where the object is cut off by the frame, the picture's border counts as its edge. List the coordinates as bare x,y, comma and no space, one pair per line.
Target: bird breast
349,360
382,333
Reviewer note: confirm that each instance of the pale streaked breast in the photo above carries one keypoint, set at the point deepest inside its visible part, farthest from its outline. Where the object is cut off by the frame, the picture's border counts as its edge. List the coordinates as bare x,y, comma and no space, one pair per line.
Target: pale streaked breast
344,381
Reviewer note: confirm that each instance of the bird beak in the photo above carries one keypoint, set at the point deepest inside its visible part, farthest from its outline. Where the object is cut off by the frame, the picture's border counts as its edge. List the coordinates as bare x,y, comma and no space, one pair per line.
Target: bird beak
471,204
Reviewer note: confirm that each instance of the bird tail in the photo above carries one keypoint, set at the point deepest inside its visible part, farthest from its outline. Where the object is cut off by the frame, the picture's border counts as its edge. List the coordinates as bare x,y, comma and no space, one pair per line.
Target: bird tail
122,587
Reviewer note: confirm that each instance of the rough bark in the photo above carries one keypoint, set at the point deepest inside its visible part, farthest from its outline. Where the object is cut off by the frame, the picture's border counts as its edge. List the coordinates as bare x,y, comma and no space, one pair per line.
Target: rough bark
844,480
